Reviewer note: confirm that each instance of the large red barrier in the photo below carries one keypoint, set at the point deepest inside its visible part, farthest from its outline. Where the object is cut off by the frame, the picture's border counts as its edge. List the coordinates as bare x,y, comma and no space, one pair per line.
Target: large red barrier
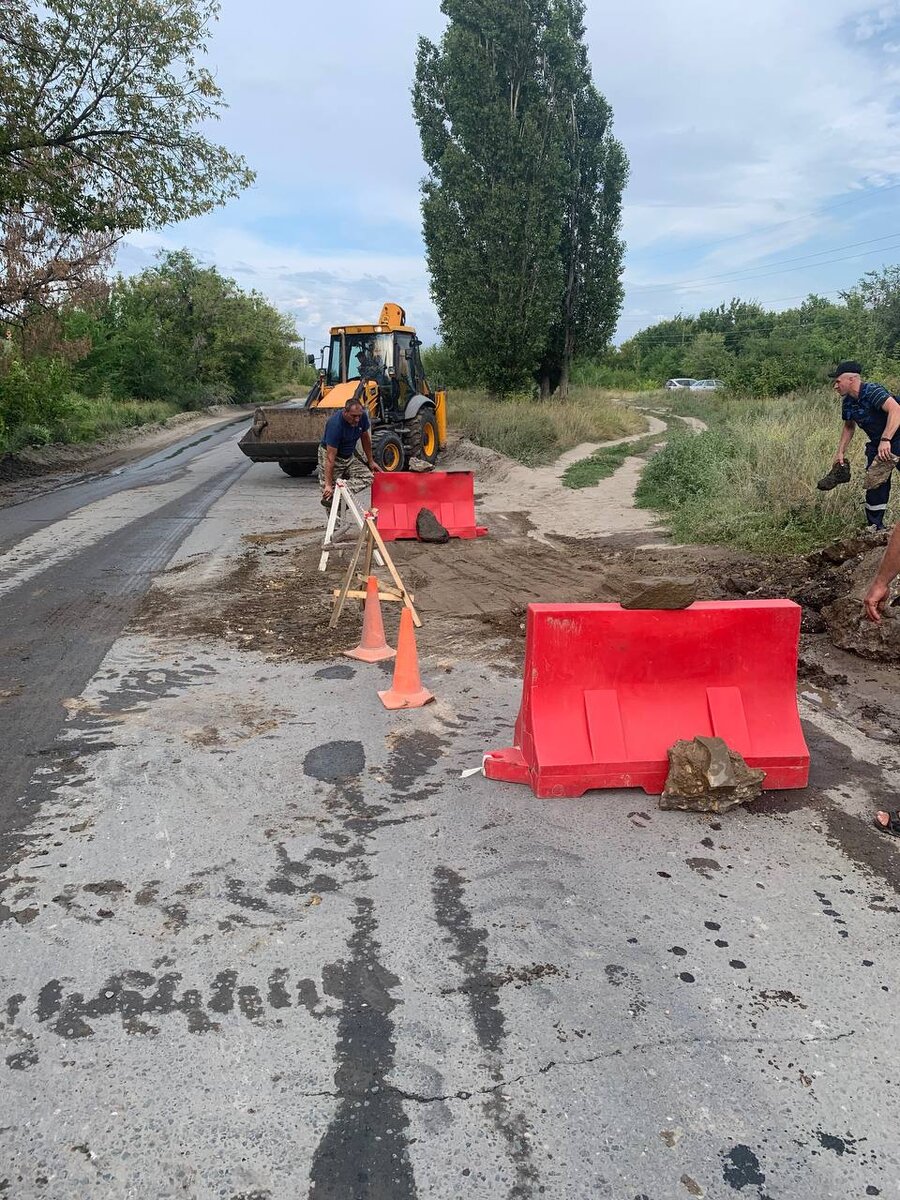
399,496
608,690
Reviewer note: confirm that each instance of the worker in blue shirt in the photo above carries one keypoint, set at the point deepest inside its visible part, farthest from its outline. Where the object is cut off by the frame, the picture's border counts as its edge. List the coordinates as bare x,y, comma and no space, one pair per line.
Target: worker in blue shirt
877,413
337,458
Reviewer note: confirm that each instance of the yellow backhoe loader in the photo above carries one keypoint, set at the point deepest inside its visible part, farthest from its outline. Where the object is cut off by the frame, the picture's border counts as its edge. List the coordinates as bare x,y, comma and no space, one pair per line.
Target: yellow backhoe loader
381,366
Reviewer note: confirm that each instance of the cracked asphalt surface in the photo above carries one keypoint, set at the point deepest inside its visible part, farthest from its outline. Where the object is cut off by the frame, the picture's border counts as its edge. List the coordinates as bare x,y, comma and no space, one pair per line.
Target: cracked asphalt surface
261,938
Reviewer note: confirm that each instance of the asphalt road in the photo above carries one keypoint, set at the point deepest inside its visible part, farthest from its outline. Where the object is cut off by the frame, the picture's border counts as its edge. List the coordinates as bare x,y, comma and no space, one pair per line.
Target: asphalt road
74,565
266,940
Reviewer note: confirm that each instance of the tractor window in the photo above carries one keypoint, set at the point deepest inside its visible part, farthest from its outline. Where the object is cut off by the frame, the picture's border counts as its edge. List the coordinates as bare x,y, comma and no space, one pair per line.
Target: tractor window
405,367
334,361
369,354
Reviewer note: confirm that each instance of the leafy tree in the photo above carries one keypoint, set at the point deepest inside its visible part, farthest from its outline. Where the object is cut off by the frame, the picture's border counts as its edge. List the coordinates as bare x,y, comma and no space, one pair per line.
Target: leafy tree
707,357
596,172
443,368
491,204
43,267
877,295
521,205
183,331
102,104
759,352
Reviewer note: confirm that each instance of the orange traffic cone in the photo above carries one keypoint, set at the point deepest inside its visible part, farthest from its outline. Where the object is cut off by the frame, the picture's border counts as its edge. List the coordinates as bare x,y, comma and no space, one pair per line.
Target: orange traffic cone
372,647
406,691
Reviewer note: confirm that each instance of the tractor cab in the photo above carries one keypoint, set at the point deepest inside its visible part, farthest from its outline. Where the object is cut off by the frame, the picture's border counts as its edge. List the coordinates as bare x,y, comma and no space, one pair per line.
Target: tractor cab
386,354
380,366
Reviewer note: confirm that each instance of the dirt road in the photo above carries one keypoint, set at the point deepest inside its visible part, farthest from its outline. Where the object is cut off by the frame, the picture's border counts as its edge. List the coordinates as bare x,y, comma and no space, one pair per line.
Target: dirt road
265,939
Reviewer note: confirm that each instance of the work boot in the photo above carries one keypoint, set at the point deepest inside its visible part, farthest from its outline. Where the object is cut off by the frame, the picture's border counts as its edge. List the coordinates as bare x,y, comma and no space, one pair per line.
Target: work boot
880,470
839,473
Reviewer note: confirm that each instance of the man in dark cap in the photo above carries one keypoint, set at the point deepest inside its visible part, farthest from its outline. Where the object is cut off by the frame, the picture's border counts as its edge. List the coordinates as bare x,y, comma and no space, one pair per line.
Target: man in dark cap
877,413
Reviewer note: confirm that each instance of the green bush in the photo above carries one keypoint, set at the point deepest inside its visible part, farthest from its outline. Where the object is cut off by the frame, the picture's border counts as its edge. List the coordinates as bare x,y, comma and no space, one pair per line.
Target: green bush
443,369
36,393
28,435
586,373
177,336
750,481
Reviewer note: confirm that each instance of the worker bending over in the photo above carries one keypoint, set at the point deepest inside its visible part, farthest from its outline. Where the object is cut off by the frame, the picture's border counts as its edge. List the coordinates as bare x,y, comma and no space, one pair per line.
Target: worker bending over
337,457
877,413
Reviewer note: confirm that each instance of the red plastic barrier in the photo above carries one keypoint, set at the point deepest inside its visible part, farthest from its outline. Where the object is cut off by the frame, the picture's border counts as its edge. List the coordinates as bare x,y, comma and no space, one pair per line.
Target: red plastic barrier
608,690
399,496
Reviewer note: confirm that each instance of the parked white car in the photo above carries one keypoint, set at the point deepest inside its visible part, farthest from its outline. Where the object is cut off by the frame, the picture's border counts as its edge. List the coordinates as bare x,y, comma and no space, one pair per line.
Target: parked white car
706,385
673,384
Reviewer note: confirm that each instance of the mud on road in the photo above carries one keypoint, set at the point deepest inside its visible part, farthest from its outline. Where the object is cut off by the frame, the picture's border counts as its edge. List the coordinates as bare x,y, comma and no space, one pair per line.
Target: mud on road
469,593
272,599
37,470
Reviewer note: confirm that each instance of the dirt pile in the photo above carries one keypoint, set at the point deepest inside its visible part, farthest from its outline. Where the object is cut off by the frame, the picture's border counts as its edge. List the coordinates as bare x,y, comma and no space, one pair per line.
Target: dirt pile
829,585
705,775
473,595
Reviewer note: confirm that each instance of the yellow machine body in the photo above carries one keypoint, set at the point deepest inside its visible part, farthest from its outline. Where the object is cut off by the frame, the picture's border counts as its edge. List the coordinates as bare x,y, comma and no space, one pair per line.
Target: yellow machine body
378,364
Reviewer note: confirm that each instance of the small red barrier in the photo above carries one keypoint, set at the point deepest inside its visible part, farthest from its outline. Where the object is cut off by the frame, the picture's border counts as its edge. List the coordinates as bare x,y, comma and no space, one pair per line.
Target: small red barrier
608,690
400,495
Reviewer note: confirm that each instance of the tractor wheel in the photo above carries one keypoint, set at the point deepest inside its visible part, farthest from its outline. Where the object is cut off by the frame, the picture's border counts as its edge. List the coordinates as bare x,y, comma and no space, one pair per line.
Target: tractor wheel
387,450
423,435
297,469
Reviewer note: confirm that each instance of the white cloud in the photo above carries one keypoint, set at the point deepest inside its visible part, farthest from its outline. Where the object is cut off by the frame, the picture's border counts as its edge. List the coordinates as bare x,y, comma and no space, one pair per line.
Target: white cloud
744,117
742,122
319,289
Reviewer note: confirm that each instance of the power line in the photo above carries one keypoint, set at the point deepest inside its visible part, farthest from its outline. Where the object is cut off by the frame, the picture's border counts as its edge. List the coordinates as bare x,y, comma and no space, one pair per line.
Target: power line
736,237
773,300
739,275
764,329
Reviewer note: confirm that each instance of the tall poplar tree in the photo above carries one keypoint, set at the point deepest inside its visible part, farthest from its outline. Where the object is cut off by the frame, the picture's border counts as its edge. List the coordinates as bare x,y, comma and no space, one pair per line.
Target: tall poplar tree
591,249
491,204
521,208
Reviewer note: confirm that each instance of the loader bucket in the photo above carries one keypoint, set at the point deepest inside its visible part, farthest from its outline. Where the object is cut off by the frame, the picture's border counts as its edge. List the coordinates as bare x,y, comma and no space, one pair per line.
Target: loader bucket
399,495
608,690
285,434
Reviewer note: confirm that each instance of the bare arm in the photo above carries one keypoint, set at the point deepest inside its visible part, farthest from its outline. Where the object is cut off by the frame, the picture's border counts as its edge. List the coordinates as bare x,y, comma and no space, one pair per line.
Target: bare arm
889,568
330,456
846,436
892,408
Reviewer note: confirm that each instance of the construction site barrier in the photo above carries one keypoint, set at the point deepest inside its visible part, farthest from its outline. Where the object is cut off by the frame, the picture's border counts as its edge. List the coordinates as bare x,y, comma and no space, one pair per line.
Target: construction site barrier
400,495
607,691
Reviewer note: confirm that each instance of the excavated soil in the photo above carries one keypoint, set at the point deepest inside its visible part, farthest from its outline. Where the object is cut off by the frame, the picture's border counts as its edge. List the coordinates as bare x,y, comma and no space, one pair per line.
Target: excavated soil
472,595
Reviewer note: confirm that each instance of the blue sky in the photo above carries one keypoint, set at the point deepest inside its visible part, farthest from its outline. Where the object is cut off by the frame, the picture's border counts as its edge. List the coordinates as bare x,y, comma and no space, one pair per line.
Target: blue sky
764,142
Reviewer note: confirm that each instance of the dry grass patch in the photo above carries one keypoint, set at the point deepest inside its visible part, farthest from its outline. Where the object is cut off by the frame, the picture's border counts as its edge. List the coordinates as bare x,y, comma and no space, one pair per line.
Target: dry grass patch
536,432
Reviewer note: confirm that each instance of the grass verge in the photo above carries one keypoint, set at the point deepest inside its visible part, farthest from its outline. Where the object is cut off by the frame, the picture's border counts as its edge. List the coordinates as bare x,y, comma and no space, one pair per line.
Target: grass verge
87,421
750,480
536,432
604,462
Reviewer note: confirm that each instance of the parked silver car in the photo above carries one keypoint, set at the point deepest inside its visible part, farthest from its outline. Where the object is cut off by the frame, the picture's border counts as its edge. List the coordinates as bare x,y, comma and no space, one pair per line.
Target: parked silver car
707,385
673,384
